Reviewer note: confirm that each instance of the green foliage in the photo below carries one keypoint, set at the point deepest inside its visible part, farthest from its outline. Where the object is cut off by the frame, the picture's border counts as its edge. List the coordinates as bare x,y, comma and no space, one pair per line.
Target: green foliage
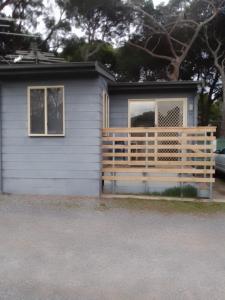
76,49
98,19
133,65
215,113
210,112
26,13
187,191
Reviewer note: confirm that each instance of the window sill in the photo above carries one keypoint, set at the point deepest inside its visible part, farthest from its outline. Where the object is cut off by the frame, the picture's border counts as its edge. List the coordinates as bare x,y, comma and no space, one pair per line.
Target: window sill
46,135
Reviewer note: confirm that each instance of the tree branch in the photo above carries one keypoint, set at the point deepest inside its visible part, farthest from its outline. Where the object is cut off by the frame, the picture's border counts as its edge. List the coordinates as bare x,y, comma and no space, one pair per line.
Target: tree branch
54,27
4,4
178,54
97,48
168,58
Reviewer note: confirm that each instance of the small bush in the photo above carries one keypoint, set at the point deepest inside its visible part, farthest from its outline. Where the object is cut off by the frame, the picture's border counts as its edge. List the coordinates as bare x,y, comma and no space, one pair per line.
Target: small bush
187,191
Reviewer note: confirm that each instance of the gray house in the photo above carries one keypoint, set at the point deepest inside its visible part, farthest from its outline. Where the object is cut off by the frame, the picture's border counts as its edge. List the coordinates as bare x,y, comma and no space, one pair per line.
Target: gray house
70,129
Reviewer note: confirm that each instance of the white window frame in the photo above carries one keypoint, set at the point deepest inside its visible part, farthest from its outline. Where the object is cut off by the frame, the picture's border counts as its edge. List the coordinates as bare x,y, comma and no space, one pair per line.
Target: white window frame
46,134
105,109
185,112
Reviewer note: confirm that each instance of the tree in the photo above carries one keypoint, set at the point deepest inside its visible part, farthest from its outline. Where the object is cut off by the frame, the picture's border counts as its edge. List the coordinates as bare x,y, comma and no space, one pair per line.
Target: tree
56,27
215,40
25,12
75,50
4,4
169,33
199,65
14,29
101,21
132,64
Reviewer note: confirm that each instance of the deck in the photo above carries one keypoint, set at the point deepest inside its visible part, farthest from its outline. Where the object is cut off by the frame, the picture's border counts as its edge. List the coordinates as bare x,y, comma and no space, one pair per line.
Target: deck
178,154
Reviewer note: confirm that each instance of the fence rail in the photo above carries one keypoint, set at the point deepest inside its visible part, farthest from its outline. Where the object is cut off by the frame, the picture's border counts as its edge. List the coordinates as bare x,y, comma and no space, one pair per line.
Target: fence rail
158,154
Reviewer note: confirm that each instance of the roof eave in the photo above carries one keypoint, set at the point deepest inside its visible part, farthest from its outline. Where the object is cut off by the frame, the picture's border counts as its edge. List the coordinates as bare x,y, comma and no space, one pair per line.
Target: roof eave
54,70
153,86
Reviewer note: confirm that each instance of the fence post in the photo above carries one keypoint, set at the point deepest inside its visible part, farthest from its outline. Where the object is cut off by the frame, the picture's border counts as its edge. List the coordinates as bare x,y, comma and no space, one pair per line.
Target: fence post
114,174
182,135
146,161
211,168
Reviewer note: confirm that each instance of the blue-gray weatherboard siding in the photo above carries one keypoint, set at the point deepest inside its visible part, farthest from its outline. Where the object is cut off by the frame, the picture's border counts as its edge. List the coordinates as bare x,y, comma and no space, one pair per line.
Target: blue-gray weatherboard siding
69,165
119,106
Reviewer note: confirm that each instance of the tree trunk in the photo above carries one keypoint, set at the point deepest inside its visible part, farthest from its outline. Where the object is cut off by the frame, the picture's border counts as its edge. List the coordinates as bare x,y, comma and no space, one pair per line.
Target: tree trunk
222,127
173,71
85,53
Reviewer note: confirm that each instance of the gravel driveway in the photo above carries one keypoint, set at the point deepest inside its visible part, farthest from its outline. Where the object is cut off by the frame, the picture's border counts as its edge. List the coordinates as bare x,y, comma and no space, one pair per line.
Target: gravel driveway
62,249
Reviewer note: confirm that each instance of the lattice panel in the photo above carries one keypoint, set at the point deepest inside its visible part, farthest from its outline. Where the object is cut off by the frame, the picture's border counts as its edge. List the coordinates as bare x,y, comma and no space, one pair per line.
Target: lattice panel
170,113
170,145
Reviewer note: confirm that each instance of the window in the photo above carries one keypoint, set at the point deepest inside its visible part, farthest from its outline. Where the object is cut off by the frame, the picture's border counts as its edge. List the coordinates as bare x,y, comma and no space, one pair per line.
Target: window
105,110
46,111
171,113
142,113
160,112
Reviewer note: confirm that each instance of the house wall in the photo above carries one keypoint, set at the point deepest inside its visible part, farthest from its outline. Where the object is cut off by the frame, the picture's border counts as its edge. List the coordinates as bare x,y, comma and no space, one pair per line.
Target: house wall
119,106
67,165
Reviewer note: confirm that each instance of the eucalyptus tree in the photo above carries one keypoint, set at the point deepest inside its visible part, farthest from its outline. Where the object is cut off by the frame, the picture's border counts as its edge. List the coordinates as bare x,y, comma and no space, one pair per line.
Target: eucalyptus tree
199,66
169,32
215,41
18,22
133,64
99,21
74,49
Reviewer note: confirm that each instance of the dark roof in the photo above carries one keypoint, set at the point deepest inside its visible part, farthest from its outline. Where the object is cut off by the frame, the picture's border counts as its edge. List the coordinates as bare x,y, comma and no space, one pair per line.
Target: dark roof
115,87
59,70
87,69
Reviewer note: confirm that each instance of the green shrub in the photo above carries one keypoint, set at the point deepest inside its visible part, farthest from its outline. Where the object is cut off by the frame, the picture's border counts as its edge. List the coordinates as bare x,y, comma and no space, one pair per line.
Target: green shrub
187,191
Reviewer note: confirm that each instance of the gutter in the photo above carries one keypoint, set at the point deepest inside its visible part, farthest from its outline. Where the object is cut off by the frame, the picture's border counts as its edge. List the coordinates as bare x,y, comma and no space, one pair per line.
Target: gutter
162,86
54,70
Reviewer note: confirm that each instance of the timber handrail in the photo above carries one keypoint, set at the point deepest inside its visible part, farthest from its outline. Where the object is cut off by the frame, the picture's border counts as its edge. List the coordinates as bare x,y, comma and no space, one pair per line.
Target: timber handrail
161,129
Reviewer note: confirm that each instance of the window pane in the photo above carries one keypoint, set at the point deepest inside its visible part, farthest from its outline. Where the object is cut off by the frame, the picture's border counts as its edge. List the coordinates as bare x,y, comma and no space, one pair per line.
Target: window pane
55,110
142,114
37,113
170,113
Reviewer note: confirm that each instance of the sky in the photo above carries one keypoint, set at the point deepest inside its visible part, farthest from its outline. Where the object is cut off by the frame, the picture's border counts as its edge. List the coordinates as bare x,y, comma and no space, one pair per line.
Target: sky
156,2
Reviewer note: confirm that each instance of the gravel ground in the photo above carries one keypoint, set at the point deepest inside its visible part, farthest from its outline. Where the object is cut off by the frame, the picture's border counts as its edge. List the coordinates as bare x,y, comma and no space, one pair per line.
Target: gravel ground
75,249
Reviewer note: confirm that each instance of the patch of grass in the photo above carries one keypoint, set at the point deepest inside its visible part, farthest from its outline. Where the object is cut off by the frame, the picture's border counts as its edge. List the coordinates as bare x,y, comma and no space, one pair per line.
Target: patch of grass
166,206
187,191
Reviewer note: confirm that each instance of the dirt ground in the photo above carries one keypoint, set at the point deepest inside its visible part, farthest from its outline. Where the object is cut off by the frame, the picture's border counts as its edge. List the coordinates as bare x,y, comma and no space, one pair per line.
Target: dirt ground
81,249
